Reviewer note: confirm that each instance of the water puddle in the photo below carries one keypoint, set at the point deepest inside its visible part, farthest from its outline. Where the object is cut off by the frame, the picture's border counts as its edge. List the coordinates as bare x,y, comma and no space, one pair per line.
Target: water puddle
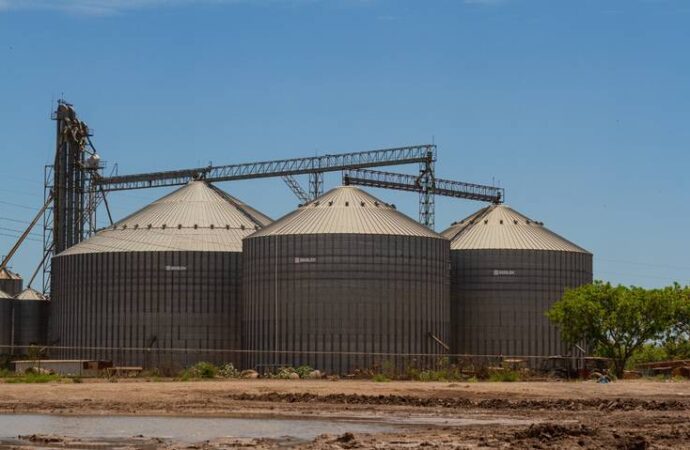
182,429
148,432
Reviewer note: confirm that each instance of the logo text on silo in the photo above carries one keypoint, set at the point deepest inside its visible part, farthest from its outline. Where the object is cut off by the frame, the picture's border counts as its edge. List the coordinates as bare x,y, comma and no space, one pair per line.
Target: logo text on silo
304,260
501,273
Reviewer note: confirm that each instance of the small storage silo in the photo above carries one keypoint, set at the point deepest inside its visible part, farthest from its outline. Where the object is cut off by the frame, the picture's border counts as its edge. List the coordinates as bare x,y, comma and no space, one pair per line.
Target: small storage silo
506,272
160,288
341,278
10,282
31,309
5,323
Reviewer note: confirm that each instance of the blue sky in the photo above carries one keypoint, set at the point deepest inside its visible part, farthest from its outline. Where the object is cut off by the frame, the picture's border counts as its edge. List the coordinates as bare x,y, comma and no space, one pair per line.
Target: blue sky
579,109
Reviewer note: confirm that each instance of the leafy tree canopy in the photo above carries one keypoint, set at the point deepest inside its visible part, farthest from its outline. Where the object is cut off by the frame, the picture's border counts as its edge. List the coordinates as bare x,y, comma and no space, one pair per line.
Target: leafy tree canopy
616,321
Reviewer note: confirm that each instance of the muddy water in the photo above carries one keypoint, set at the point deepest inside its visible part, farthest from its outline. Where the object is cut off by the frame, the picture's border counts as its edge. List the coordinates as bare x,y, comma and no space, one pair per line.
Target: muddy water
184,429
197,429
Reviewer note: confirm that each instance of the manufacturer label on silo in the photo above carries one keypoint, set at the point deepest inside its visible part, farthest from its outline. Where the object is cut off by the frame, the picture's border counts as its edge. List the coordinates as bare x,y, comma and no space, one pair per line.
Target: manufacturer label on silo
502,273
304,260
175,268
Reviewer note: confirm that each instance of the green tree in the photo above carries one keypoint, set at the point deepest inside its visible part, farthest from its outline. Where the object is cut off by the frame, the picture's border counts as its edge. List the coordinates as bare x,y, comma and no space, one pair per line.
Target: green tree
615,321
682,312
677,342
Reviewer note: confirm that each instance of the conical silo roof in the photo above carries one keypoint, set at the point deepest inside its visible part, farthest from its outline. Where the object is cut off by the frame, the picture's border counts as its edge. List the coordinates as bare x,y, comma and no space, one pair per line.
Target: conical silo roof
500,227
195,217
30,294
346,210
4,295
6,274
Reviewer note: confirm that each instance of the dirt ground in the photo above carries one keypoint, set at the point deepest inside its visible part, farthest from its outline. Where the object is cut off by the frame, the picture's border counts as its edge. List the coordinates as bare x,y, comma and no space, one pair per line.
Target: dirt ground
625,415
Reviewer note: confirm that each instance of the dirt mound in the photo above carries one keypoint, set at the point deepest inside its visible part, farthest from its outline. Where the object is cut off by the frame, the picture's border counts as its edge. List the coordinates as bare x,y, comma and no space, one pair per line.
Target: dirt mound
347,440
632,443
464,403
550,431
42,438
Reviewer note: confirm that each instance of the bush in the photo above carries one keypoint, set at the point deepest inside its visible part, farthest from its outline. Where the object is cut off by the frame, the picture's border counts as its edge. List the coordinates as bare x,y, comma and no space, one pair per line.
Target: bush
285,373
504,375
648,353
228,371
304,371
199,370
444,371
33,378
380,378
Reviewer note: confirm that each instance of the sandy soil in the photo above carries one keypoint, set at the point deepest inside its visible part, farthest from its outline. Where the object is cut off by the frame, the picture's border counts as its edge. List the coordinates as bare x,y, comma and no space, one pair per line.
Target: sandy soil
625,415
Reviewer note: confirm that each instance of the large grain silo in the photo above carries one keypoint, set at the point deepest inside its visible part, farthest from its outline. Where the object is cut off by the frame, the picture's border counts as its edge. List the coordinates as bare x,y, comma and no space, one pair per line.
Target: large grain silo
10,282
31,309
507,271
160,286
341,276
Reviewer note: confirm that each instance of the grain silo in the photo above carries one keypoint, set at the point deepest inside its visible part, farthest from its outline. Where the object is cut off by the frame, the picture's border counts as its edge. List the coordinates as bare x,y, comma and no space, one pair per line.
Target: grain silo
160,286
5,323
10,282
31,309
506,272
344,275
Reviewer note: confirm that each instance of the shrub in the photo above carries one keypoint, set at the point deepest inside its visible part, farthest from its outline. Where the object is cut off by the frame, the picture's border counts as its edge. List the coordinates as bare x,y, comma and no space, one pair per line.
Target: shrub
285,373
304,371
380,378
504,375
199,370
228,371
33,378
388,368
647,354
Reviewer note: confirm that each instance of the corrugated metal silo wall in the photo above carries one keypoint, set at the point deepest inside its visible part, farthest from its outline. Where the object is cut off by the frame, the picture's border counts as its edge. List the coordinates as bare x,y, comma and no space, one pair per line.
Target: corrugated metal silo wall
499,297
5,325
171,306
343,293
30,323
11,287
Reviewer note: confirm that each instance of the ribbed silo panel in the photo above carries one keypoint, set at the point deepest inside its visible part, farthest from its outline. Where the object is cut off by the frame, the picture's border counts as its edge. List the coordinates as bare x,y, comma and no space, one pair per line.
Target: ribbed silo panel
499,299
30,323
313,299
5,325
156,309
11,285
